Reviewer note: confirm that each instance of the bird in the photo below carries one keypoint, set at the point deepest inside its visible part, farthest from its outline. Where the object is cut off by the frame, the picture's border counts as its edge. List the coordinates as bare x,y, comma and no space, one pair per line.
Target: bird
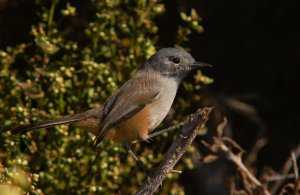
138,107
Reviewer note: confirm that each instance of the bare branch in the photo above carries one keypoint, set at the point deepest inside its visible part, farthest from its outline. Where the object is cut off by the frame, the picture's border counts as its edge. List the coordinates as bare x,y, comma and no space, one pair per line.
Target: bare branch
285,170
175,127
279,177
252,155
176,150
220,146
295,168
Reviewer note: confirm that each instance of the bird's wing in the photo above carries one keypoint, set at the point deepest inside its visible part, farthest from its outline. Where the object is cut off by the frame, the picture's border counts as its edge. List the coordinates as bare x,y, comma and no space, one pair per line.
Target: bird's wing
126,103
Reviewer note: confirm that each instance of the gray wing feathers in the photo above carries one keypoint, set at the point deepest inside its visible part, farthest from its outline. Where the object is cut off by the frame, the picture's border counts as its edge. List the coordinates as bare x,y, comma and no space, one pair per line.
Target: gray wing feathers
125,104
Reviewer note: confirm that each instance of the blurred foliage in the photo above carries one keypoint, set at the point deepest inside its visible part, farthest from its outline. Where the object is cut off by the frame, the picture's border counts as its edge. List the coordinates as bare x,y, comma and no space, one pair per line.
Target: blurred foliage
54,75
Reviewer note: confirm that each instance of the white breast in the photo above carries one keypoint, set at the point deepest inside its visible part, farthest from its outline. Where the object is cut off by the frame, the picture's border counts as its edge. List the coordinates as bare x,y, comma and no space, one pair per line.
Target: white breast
160,107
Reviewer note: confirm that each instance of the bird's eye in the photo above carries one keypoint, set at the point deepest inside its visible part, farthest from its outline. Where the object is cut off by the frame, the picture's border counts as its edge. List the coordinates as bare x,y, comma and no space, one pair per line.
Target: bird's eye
175,60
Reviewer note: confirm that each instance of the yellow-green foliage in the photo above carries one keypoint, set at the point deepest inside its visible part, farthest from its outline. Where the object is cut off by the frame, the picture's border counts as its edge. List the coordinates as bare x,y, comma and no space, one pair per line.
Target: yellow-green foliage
54,75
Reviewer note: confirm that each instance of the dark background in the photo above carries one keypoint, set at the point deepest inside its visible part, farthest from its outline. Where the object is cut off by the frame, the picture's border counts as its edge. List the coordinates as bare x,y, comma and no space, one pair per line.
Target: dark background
254,47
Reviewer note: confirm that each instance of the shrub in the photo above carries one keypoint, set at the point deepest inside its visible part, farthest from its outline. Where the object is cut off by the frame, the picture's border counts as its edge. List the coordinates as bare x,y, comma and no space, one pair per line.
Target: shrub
74,61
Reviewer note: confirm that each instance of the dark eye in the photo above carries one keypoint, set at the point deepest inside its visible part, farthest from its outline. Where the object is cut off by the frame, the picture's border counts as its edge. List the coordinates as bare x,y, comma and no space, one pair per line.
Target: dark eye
175,60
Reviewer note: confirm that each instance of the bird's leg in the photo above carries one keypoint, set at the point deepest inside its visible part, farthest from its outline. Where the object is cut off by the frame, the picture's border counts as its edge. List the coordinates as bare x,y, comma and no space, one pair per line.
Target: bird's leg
138,161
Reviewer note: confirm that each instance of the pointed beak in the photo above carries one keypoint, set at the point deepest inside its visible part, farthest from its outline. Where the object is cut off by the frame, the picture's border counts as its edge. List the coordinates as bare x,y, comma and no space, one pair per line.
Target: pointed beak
200,64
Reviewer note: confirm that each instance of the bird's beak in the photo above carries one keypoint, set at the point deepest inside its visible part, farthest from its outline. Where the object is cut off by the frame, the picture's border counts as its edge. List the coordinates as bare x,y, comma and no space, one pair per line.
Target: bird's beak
200,64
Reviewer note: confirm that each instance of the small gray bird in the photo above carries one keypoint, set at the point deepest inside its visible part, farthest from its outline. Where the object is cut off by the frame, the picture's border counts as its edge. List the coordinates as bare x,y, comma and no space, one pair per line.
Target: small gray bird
139,106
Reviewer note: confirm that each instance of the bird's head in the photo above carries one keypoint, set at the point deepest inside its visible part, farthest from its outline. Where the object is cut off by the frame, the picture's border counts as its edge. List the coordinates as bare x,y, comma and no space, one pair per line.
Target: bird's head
172,62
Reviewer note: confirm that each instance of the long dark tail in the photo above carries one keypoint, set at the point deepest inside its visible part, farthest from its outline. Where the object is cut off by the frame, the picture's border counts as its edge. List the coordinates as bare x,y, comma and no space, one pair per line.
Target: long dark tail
49,123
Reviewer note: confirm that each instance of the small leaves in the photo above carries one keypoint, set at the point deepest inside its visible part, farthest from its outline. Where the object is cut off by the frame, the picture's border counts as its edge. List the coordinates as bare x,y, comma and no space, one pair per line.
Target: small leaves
191,24
73,61
47,47
69,11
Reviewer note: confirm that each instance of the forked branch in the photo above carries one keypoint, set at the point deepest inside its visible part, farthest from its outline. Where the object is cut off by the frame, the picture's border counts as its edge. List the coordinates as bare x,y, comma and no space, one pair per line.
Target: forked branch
225,146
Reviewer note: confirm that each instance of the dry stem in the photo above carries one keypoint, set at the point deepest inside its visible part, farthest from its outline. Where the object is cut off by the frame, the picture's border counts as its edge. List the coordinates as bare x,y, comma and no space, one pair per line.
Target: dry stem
223,145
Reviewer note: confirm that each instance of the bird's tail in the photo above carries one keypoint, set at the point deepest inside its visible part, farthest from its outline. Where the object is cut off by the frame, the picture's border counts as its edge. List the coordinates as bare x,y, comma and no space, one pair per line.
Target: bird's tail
49,123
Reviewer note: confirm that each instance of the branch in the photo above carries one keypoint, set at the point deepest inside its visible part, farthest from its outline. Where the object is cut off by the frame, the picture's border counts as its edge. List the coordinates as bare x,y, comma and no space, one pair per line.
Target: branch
224,145
188,133
285,170
279,177
295,168
175,127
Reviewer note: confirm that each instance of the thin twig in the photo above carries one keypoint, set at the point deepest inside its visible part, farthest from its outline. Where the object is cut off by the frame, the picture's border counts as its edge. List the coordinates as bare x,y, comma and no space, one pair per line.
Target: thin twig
297,187
242,168
295,168
175,127
279,177
219,146
252,156
287,188
175,152
285,170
